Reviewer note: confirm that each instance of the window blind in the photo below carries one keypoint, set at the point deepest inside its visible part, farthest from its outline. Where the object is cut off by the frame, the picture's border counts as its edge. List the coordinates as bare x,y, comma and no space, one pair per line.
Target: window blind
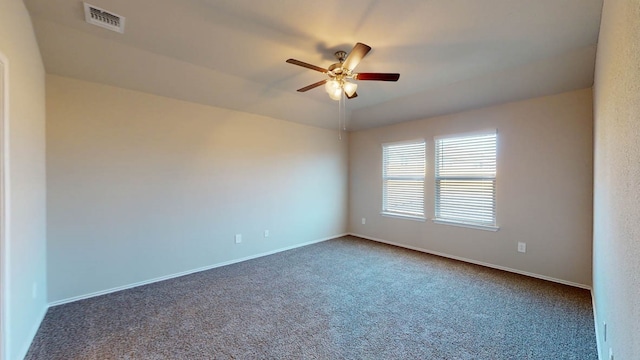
465,178
403,169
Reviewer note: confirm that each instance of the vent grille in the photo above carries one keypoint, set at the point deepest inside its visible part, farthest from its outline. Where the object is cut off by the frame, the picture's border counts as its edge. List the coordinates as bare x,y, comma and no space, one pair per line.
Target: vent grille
103,18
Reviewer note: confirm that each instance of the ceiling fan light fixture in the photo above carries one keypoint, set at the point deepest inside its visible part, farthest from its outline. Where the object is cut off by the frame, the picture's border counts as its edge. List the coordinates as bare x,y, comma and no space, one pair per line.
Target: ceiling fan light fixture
331,85
334,89
336,94
350,88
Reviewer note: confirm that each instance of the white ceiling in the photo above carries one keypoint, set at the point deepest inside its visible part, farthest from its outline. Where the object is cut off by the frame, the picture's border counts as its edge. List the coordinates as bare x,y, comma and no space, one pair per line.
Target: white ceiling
452,55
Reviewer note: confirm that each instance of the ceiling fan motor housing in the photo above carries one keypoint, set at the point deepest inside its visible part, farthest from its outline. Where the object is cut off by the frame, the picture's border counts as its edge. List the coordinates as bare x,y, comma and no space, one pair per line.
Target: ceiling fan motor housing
336,69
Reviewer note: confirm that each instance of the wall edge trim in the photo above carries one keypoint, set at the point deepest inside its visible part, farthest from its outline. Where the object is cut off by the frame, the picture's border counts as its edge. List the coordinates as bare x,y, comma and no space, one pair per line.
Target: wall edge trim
471,261
5,220
188,272
599,346
33,332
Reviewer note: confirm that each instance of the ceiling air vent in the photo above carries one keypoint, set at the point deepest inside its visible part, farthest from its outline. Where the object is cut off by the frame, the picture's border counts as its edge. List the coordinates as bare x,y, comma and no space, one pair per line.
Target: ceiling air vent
103,18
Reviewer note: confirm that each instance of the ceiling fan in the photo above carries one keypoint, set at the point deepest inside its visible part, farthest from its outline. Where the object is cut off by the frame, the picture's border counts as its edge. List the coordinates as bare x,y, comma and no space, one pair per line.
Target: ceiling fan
336,84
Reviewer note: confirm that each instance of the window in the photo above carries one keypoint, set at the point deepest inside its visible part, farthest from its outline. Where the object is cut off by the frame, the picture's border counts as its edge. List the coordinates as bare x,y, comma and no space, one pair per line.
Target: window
403,167
465,175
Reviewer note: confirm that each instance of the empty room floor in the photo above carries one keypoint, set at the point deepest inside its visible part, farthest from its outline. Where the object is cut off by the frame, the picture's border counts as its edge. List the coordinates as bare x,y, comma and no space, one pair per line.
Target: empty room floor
346,298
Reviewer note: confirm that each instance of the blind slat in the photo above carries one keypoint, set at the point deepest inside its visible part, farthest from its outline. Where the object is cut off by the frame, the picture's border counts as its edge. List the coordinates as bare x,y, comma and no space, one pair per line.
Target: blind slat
403,169
465,169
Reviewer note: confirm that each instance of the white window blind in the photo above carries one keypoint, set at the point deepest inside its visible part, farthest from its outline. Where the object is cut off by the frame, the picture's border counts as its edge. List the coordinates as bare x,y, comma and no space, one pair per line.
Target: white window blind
403,169
466,179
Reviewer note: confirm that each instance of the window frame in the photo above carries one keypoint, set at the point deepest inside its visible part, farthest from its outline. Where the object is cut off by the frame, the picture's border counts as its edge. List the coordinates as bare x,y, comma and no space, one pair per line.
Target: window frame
469,223
385,208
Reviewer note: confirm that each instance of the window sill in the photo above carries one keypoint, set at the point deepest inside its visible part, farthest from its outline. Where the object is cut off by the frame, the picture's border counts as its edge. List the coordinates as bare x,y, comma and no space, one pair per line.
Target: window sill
402,216
465,225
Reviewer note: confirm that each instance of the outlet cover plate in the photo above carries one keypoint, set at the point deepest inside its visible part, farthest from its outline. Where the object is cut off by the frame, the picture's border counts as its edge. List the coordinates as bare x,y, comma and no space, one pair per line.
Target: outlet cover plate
522,247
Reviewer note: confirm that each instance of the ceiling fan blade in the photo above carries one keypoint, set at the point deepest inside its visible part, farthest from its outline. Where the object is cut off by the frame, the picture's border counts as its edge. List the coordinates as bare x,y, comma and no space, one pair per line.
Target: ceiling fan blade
377,76
312,86
355,94
357,53
308,66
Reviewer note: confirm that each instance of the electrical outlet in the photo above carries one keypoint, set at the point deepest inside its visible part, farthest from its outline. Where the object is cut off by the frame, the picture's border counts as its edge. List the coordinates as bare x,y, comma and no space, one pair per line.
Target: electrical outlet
238,238
266,233
522,247
364,221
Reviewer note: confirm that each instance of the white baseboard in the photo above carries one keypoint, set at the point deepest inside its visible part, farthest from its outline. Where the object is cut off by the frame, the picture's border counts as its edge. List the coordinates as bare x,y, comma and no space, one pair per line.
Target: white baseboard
459,258
183,273
33,332
595,321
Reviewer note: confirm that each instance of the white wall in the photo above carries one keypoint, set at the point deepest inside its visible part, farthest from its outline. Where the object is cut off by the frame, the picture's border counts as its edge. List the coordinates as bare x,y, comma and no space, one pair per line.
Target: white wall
142,186
616,242
25,240
544,187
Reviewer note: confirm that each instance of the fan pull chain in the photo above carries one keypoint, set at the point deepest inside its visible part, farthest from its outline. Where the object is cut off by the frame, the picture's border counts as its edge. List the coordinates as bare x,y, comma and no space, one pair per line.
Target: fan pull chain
342,115
343,99
339,120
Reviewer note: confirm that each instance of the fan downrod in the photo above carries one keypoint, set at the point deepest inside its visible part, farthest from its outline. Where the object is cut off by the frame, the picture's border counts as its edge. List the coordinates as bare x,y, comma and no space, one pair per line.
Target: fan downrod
336,69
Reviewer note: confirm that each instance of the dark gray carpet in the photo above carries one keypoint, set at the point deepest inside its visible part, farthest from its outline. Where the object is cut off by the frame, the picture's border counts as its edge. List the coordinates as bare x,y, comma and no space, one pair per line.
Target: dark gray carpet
346,298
